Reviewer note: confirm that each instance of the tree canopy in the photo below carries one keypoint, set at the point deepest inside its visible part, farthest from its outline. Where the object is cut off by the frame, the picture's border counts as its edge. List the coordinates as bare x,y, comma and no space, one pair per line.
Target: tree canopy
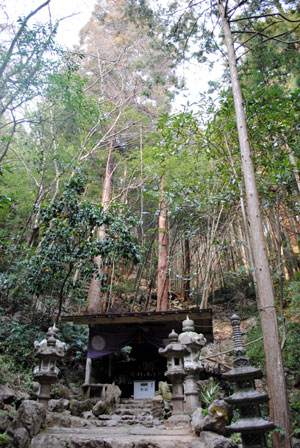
178,202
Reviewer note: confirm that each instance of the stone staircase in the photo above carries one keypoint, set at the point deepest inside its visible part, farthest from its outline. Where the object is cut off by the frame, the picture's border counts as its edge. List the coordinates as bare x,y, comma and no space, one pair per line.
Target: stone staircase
136,436
134,412
133,425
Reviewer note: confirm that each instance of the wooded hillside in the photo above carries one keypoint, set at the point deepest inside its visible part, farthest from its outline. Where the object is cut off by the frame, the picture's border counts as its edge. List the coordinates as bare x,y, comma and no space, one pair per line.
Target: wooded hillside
112,202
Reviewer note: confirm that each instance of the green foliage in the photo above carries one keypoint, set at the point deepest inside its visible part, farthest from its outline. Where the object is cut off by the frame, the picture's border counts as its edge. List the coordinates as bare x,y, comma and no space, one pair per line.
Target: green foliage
295,418
236,438
28,65
293,290
209,393
6,370
3,439
26,60
17,347
291,352
76,338
16,342
255,351
68,243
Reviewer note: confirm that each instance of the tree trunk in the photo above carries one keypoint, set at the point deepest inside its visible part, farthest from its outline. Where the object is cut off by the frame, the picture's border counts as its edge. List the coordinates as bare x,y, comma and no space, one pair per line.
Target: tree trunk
95,289
243,246
211,255
186,270
275,374
163,253
245,220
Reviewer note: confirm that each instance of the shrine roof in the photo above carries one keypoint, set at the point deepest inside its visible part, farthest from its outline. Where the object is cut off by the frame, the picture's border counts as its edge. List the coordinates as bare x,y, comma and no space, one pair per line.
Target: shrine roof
202,319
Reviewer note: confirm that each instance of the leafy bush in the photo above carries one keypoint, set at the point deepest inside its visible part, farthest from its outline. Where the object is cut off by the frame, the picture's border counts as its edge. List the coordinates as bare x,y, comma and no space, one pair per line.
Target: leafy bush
16,342
209,393
76,338
3,439
68,245
255,351
295,414
17,348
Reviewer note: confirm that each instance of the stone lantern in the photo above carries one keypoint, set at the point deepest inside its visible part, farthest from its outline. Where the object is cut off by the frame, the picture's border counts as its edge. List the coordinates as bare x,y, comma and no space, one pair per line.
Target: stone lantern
48,351
174,351
246,398
192,366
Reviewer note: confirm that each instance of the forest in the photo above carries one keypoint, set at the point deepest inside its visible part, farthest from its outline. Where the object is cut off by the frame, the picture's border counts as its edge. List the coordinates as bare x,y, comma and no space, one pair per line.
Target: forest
112,200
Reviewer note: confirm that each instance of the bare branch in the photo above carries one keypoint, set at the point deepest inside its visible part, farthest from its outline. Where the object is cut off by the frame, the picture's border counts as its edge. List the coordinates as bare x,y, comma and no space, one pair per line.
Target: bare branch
262,16
258,33
18,34
272,38
8,141
26,167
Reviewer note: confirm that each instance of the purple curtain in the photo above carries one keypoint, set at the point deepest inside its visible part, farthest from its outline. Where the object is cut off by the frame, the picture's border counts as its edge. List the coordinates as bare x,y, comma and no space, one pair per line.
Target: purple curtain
102,342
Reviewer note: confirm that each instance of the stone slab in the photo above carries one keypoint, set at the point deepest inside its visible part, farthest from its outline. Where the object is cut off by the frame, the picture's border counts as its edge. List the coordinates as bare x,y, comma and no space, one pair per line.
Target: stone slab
132,437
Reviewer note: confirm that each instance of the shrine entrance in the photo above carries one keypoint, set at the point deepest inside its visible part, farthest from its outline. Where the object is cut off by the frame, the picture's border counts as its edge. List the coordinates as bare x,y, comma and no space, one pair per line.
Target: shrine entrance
135,365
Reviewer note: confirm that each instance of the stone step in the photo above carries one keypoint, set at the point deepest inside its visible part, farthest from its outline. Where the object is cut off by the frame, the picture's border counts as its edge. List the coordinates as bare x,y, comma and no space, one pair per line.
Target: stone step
130,402
117,437
132,411
134,401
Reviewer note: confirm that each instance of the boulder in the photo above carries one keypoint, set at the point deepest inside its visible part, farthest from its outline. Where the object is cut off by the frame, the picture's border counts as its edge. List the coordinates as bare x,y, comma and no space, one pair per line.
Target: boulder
197,419
112,395
7,395
44,441
61,391
99,408
210,439
75,392
158,407
21,438
218,417
5,420
21,396
58,405
295,442
59,419
88,415
164,390
31,416
78,407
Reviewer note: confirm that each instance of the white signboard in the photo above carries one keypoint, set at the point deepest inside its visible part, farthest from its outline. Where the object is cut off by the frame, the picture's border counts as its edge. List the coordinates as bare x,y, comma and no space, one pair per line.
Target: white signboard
144,389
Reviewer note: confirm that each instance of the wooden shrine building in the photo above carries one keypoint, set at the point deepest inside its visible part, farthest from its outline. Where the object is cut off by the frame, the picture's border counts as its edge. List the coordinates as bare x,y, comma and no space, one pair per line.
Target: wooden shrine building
123,348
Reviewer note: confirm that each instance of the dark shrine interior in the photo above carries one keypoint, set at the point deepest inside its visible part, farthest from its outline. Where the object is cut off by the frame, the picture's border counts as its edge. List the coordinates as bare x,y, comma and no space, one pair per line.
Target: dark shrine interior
124,367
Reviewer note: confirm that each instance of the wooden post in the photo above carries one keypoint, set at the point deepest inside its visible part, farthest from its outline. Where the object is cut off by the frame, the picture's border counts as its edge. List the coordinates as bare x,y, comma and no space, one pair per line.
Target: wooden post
88,369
